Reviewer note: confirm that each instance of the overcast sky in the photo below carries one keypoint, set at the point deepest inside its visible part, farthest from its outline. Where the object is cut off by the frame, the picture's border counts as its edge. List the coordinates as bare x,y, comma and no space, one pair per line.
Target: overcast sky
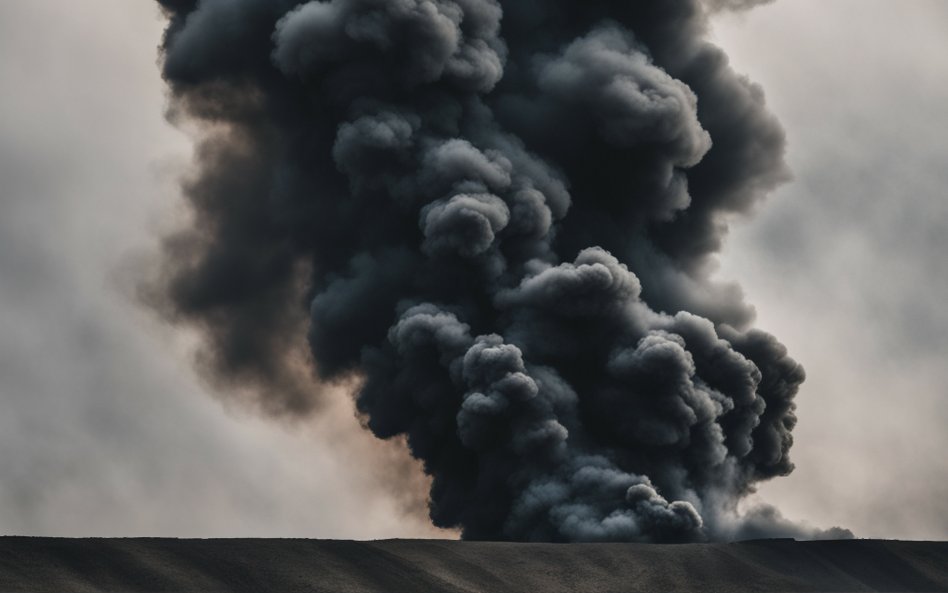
105,429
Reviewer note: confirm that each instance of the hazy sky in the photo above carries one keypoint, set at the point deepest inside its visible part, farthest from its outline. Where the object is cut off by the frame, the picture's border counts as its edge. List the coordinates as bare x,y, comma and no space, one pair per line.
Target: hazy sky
848,265
105,429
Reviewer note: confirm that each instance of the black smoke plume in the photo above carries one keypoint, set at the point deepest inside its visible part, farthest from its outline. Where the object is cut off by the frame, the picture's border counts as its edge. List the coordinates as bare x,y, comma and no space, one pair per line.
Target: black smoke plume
502,217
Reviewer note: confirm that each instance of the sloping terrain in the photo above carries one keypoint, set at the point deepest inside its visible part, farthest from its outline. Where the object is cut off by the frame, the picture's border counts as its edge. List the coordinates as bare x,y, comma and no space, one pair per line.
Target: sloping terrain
289,566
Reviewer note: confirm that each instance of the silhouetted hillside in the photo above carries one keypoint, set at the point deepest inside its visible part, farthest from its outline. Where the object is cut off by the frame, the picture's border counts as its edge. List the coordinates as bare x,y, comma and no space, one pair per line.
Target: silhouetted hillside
397,566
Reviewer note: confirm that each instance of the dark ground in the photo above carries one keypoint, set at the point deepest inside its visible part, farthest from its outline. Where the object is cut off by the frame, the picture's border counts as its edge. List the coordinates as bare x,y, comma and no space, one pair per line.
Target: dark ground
408,566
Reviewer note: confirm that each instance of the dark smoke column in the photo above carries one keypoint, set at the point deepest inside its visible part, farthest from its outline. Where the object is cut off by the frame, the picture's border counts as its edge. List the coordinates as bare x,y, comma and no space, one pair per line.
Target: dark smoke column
502,217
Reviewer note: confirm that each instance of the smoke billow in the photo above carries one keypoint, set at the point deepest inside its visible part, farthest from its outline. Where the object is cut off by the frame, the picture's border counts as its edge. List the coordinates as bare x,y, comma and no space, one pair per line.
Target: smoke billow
502,218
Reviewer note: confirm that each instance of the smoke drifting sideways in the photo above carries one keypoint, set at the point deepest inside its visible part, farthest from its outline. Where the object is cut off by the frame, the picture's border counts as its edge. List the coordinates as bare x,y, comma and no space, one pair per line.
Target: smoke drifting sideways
734,5
502,218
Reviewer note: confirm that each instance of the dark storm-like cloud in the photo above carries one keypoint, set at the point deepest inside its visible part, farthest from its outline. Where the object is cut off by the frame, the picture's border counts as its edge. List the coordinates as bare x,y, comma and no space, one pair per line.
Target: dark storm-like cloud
503,218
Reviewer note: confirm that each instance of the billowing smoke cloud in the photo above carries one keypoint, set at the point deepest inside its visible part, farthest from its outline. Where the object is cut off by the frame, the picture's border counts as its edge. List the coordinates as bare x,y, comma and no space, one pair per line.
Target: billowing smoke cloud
502,217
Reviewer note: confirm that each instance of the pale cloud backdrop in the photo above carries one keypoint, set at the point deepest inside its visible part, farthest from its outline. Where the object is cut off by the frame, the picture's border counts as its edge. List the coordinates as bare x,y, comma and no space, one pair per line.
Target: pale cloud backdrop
106,430
848,264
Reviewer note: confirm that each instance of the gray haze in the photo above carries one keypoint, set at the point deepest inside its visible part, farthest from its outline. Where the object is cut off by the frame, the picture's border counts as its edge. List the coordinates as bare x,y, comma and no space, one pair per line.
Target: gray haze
849,264
106,430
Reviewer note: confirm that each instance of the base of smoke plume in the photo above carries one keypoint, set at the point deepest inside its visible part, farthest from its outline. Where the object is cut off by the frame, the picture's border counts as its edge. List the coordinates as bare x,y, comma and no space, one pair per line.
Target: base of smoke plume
288,566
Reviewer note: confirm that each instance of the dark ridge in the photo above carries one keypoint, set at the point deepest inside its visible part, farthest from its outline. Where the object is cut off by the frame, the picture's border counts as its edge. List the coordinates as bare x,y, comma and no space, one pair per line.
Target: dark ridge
296,565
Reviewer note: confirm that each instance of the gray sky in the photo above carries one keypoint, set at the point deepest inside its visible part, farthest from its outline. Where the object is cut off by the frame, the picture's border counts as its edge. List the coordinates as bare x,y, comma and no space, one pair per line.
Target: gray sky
105,430
848,265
